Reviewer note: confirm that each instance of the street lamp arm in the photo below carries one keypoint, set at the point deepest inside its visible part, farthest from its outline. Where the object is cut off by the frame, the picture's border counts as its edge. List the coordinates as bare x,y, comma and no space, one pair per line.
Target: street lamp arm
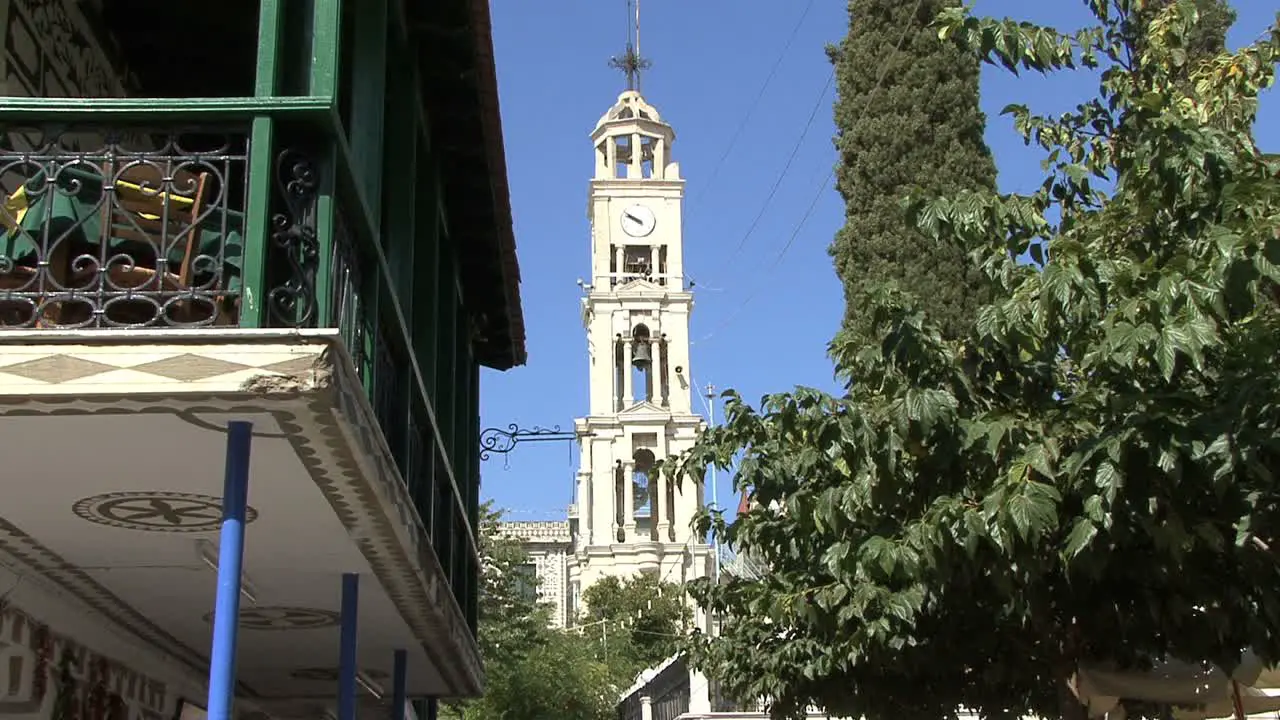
497,440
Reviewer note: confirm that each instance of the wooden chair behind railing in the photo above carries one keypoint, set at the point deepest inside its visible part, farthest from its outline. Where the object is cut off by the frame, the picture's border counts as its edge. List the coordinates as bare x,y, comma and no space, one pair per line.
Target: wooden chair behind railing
142,220
149,216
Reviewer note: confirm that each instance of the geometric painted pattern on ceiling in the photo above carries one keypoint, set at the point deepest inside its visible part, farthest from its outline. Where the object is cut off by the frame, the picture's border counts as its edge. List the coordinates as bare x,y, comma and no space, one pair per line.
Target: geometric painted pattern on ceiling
155,511
284,618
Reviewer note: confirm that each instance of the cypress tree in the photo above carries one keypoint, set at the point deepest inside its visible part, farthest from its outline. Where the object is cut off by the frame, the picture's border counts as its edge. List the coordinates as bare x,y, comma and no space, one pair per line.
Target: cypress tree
920,129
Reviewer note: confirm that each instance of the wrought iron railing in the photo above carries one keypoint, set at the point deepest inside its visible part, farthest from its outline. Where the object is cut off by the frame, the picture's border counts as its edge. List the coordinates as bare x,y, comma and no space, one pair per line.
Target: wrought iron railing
108,228
669,692
294,249
159,214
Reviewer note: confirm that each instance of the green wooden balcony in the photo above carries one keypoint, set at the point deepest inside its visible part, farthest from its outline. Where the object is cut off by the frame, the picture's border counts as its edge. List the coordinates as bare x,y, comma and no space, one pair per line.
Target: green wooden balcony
276,165
239,214
339,167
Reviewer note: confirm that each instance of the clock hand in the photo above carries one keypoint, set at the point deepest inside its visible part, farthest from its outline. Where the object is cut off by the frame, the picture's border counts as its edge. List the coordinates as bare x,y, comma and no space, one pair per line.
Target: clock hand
631,217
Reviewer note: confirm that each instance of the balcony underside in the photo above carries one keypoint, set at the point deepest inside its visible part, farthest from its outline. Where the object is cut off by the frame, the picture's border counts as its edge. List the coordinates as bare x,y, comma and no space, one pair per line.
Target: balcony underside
114,443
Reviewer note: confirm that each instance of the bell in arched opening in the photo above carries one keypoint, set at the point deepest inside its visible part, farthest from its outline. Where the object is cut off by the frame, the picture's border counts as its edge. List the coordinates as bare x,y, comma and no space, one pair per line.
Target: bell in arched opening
640,355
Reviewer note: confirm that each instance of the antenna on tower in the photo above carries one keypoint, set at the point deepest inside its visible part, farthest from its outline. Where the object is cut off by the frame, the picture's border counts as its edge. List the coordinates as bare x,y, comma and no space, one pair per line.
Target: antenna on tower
631,62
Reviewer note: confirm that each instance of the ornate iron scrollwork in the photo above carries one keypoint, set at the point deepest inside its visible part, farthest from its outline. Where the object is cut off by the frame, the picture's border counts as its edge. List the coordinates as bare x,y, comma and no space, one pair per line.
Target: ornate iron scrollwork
108,228
494,440
293,231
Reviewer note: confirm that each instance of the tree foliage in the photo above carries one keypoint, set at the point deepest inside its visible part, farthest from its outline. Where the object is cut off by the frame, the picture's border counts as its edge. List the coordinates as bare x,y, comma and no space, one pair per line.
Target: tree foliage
1205,40
643,618
559,677
1087,472
907,118
533,671
511,618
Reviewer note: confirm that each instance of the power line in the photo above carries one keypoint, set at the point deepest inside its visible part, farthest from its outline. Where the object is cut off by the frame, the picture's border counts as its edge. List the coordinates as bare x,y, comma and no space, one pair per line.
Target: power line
755,103
795,152
746,118
884,71
776,261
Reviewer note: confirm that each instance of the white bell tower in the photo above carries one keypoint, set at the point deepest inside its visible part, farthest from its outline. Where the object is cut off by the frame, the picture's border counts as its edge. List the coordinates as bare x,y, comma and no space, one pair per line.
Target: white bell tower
629,518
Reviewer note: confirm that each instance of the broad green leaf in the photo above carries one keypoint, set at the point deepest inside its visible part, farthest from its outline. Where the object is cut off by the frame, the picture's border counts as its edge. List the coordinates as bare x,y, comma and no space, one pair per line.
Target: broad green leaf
1082,533
1033,509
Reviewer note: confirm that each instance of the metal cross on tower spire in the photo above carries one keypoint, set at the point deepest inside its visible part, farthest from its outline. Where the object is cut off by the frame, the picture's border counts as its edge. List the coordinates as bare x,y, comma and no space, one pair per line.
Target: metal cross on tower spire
631,62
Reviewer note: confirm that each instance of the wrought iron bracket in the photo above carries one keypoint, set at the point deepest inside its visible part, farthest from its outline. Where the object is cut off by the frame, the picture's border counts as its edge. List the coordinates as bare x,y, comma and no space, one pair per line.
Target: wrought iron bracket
496,440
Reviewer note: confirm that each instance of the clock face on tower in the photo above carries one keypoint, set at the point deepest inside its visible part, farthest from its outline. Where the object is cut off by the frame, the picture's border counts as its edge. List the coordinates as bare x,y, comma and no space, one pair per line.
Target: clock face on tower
637,220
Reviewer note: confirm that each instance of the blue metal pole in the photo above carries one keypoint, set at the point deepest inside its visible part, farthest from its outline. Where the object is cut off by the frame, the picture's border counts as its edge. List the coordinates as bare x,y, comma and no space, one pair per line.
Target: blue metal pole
399,678
226,608
347,649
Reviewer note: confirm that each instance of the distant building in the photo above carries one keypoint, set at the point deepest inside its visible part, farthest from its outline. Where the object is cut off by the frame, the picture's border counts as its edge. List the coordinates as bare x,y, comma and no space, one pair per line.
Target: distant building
550,548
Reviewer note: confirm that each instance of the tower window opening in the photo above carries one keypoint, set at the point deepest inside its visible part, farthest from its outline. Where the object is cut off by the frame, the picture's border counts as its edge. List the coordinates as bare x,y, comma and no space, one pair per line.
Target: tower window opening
662,265
643,485
638,261
664,373
642,364
671,512
623,157
647,145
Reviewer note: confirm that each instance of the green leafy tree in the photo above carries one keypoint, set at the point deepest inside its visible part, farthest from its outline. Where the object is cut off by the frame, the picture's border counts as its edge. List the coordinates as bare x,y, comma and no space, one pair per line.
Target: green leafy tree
638,621
512,621
1086,474
907,118
533,671
1207,39
558,678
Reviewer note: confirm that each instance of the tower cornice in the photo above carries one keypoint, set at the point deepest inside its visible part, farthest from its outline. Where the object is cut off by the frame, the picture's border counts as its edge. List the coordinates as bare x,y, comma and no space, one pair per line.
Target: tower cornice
640,298
646,187
620,421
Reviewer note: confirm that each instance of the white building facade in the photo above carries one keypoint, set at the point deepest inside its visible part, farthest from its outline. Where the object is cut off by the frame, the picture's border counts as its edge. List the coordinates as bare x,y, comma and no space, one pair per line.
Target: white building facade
550,548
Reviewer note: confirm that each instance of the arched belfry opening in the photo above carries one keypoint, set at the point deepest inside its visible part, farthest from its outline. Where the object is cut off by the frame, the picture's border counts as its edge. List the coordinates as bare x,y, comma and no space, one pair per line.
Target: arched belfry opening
619,502
642,364
643,484
633,143
640,369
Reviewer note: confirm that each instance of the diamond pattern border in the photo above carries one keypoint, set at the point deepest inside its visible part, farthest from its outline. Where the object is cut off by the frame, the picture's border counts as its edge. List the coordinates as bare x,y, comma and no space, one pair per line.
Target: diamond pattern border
152,365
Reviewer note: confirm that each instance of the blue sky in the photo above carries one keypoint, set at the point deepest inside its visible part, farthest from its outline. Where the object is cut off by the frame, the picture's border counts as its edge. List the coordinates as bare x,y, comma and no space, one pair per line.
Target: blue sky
763,315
